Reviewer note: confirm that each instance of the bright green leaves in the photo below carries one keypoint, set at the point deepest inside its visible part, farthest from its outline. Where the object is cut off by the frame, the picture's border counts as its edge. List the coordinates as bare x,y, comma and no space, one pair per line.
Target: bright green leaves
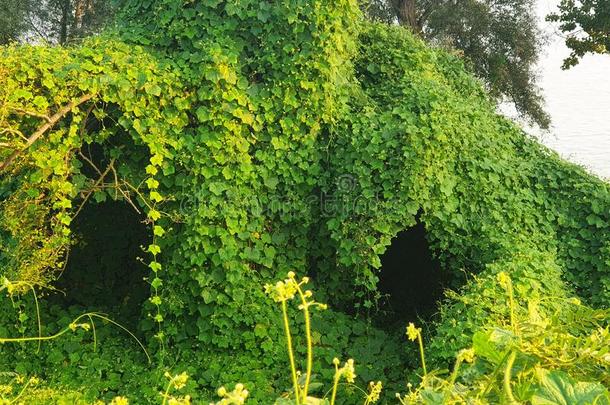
203,114
153,89
152,183
156,160
152,170
155,266
155,197
156,283
558,388
134,90
275,145
40,103
154,249
22,94
158,231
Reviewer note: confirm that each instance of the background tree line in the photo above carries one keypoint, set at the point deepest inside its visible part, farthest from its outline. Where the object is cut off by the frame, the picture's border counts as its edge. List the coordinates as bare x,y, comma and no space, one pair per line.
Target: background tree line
499,39
52,21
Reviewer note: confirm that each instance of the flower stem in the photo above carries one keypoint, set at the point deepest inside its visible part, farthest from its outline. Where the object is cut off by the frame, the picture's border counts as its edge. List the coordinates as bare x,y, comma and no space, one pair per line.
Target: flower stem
293,368
166,395
309,343
335,385
507,378
452,379
421,353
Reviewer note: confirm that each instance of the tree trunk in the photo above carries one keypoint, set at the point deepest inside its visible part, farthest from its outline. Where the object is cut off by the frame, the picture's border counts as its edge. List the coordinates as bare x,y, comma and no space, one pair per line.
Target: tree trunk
406,11
63,23
79,12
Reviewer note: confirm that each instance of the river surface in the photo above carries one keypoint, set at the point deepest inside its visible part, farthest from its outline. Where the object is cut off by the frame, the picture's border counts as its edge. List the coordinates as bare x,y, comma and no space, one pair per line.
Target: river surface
578,101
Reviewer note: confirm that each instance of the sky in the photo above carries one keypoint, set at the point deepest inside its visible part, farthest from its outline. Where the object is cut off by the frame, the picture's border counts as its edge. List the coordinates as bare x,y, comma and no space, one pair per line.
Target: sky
578,101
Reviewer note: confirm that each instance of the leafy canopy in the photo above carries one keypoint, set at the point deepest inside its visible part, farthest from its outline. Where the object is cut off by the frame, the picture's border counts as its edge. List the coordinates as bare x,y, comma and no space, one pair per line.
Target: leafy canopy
500,39
587,26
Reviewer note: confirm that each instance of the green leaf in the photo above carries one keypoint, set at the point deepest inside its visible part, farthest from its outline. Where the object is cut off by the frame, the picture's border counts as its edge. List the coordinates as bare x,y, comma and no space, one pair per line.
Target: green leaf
154,249
41,103
158,231
203,114
154,90
485,347
22,94
558,388
99,196
154,214
155,196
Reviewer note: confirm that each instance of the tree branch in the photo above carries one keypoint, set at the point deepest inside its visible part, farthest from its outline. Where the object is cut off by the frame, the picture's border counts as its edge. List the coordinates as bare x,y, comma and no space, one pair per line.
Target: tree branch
45,127
95,185
30,113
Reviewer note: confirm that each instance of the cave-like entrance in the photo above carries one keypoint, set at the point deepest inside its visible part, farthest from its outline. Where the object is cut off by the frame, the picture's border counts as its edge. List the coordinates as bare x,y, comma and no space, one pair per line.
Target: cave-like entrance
104,271
411,279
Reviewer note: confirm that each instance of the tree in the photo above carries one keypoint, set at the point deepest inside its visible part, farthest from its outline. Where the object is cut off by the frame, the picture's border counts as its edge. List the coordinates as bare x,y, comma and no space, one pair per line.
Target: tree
53,21
499,38
587,25
13,19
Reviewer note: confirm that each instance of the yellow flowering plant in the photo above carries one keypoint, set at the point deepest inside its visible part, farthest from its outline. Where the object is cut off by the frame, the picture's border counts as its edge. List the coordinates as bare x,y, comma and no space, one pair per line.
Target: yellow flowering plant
119,401
414,333
176,382
282,292
524,356
236,397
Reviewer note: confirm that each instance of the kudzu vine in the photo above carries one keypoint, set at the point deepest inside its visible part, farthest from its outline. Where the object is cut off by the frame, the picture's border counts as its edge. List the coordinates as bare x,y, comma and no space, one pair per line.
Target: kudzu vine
265,137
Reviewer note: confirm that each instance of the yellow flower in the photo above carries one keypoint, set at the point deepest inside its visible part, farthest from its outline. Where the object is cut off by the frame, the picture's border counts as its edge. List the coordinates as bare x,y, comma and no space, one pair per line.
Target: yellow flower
374,392
412,331
186,400
73,326
466,355
282,290
180,380
349,372
119,401
237,396
503,279
6,283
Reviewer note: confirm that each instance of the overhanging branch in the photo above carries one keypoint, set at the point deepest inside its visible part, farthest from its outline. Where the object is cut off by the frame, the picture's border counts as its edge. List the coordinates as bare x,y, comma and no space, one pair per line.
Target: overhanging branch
45,127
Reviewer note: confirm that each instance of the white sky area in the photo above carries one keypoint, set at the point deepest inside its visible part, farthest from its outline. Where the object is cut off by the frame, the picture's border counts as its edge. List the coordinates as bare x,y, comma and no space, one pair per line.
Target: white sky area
578,101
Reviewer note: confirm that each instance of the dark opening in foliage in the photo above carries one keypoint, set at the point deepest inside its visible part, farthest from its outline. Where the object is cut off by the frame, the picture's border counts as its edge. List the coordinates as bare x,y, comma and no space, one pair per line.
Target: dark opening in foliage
104,271
410,278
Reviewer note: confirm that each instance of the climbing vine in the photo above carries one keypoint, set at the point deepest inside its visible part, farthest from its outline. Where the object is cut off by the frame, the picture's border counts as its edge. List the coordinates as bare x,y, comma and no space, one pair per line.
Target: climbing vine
260,138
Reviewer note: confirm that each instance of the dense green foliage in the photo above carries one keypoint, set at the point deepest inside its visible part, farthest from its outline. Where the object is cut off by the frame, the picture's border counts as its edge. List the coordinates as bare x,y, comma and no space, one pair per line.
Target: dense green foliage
258,139
500,39
587,25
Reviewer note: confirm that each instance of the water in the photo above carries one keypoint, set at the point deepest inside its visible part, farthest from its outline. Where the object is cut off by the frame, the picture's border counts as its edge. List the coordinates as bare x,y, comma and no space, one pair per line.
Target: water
578,101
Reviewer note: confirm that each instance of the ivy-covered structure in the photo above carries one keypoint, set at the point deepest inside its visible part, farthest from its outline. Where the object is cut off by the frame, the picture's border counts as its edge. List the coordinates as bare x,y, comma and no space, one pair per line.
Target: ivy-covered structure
249,139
